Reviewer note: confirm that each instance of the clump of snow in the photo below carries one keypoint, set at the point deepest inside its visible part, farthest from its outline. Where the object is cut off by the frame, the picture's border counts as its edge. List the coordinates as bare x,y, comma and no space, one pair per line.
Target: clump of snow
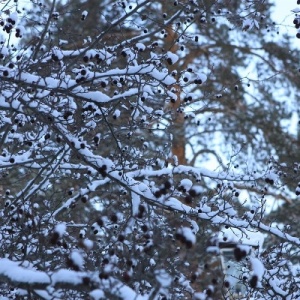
140,46
171,57
185,185
247,24
57,53
82,233
163,278
4,51
36,205
15,273
124,292
116,114
244,237
77,259
97,294
84,15
200,296
62,42
258,268
159,112
195,227
186,236
186,76
143,187
271,178
67,276
60,229
13,16
88,244
202,77
152,262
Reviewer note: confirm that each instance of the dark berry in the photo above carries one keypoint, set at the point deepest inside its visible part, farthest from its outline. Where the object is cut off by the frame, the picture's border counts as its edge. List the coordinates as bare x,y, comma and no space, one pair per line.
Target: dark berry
100,222
114,218
121,238
253,281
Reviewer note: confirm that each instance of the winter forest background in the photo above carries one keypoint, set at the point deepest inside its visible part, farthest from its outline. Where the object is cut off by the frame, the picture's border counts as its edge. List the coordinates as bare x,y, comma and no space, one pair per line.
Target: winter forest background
138,138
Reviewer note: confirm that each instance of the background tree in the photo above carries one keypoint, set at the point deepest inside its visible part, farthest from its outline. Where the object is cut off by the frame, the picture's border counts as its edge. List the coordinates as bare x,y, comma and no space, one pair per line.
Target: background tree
106,128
